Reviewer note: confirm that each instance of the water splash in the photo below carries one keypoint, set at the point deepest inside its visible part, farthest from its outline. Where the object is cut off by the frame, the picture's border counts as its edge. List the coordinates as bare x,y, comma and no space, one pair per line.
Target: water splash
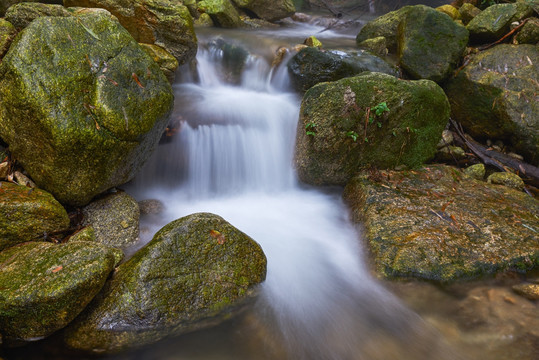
233,157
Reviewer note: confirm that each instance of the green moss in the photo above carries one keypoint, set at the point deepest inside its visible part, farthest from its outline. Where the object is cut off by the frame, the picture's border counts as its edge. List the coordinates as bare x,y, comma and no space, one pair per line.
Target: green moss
45,286
76,101
407,134
417,226
28,214
194,272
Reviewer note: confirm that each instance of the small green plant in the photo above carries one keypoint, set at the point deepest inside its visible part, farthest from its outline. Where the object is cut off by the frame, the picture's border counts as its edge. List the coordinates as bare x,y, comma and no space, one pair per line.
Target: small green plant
352,134
380,108
310,129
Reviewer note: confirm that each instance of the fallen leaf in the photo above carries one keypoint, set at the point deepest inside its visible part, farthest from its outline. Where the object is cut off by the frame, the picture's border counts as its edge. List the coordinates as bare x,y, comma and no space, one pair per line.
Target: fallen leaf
58,268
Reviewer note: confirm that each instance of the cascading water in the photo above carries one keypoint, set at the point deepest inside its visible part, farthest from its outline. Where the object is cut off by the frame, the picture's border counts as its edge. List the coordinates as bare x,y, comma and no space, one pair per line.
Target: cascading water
233,156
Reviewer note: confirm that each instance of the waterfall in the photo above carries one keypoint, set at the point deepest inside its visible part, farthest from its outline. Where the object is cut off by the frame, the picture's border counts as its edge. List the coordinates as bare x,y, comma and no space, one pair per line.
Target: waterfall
233,156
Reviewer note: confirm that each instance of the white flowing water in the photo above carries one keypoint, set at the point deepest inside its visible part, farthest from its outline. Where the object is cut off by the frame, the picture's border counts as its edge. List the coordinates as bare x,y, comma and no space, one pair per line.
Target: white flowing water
233,156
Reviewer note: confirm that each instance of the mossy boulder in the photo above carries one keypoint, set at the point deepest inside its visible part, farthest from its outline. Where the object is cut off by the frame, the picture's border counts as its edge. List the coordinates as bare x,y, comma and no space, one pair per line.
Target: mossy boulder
494,96
114,218
166,23
167,63
28,214
468,12
494,22
430,43
311,66
336,137
386,26
6,4
506,178
377,45
7,34
45,286
222,12
194,273
22,14
438,224
529,33
270,10
85,114
449,10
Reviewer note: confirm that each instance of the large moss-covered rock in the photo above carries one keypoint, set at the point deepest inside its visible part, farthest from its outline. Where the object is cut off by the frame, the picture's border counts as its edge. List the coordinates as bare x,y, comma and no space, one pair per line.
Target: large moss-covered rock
311,66
82,105
166,23
385,26
7,34
336,138
270,10
494,22
45,286
20,15
430,43
222,12
28,214
436,223
494,96
114,218
192,274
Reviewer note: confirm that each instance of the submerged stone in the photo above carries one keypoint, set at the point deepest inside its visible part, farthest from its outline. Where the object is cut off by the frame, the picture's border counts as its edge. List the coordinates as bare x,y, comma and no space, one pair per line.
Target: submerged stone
28,214
82,105
195,272
435,223
372,119
45,286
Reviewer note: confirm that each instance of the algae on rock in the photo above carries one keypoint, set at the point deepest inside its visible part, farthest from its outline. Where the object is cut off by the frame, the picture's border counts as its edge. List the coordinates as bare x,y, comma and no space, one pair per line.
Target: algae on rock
82,105
195,272
336,137
436,223
45,286
28,214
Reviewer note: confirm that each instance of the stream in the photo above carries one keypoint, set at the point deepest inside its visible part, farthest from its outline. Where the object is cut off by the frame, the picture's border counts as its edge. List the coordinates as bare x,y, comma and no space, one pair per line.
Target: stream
232,155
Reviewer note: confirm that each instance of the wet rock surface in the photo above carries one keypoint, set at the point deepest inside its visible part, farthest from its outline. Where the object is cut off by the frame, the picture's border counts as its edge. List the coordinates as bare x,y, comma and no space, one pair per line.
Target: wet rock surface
28,214
164,23
193,273
311,66
493,97
84,115
45,286
339,131
20,15
437,224
114,218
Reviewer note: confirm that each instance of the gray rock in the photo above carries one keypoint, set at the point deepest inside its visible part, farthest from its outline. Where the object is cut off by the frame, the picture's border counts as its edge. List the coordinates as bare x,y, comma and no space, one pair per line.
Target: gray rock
114,218
494,22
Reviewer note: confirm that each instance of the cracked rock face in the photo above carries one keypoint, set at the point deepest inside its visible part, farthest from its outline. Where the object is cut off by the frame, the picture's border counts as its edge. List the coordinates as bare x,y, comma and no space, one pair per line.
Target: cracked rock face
82,106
